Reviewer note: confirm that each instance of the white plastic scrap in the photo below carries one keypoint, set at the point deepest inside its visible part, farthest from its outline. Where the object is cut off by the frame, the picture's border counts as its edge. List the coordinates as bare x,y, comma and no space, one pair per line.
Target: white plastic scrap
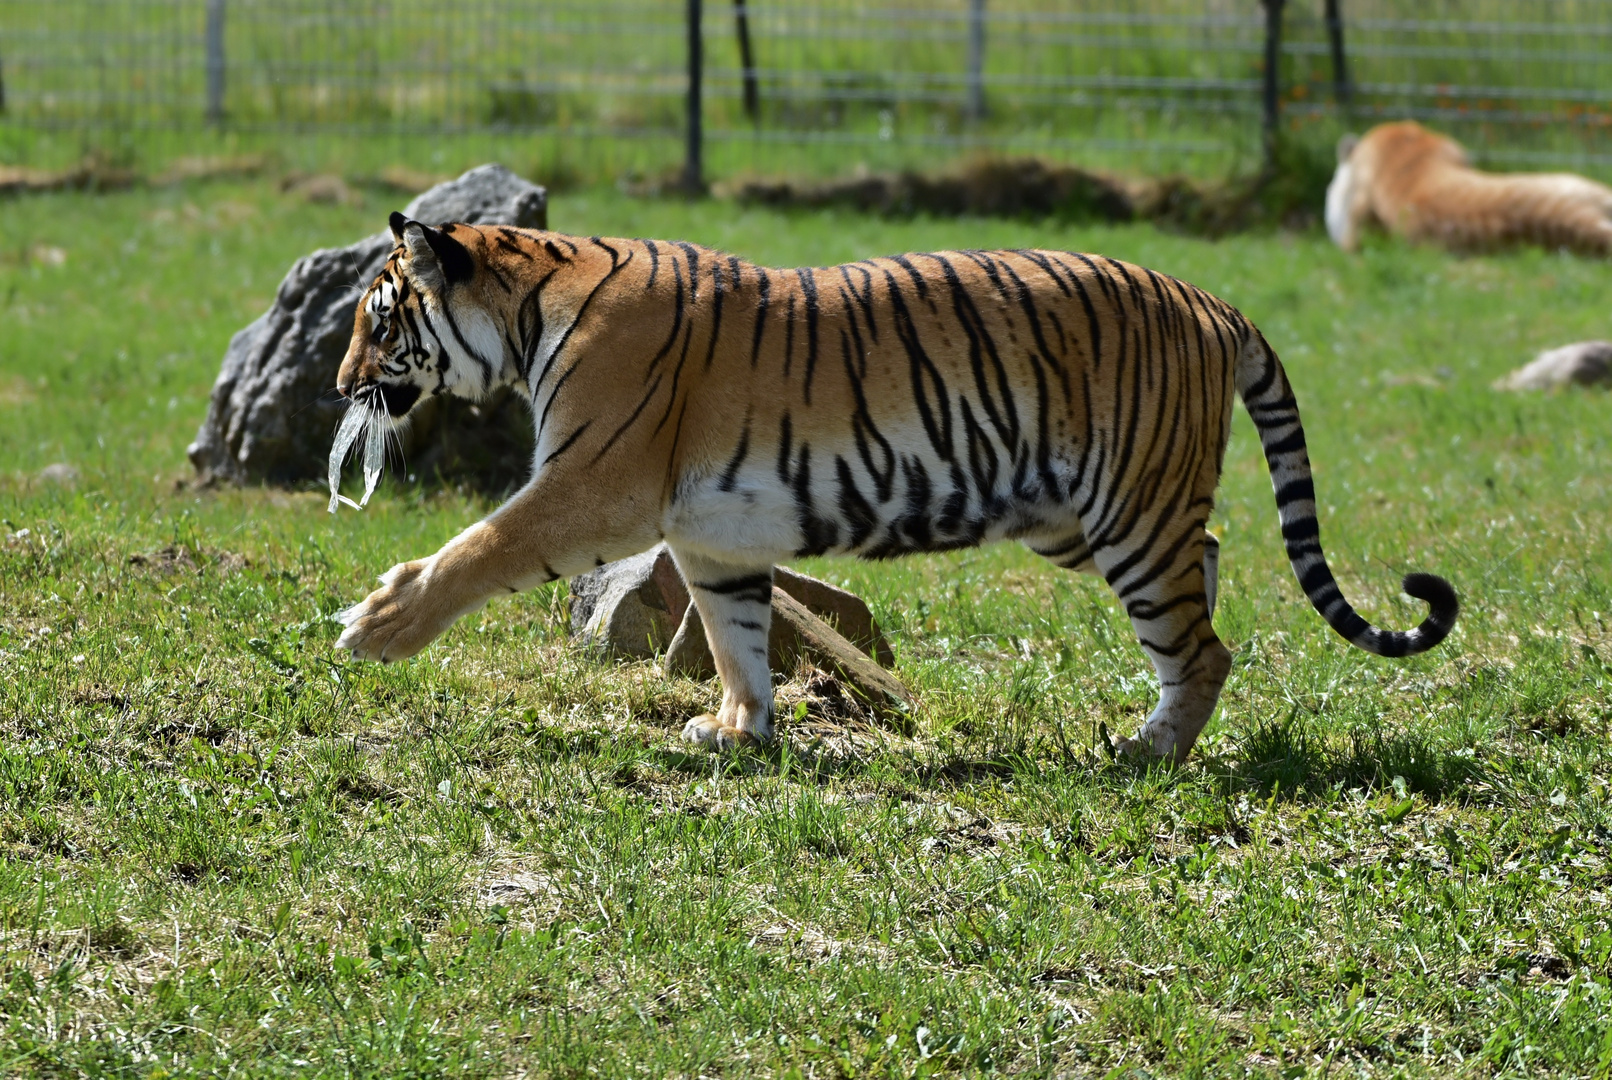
352,426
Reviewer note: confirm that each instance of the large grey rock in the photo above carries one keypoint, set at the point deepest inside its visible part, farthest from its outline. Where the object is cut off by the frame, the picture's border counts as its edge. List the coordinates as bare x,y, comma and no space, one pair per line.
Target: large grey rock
274,408
630,607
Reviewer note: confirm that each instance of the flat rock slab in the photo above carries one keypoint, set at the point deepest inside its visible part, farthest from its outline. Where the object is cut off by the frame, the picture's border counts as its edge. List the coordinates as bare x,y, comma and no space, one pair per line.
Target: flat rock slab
843,610
274,410
640,607
651,583
1583,362
796,635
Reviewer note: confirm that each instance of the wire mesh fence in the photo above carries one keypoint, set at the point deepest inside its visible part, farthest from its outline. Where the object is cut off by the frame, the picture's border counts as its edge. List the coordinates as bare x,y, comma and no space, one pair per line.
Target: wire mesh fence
825,84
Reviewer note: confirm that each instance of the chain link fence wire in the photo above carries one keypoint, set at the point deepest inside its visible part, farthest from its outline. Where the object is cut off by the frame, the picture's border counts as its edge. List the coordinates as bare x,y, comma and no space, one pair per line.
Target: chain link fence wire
816,85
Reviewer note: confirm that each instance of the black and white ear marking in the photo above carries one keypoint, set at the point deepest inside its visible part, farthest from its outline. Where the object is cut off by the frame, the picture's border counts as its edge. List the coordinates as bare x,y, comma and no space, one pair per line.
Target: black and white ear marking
436,259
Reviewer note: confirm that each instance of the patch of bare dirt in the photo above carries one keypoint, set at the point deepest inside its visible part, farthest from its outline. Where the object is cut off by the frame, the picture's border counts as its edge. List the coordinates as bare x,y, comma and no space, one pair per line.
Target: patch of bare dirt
999,187
837,724
1284,194
99,697
180,558
91,174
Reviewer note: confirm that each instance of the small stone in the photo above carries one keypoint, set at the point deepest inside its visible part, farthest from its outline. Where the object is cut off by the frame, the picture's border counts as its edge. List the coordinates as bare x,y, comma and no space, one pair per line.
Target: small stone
689,654
59,473
1583,362
636,607
669,581
795,635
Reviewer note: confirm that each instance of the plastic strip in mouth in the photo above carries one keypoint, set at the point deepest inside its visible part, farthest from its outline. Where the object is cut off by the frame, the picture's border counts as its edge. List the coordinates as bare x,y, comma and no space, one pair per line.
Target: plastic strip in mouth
362,415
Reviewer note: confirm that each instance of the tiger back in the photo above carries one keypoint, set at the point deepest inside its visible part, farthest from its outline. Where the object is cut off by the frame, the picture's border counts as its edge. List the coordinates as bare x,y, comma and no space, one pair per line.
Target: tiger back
1077,404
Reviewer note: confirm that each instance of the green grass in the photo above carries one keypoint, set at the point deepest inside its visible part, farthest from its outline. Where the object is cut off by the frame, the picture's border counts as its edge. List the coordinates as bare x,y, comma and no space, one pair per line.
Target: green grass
224,850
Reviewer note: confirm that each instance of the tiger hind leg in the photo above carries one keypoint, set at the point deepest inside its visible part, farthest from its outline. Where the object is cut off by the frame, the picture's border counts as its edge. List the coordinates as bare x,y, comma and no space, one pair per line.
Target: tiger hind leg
1170,602
735,604
1174,614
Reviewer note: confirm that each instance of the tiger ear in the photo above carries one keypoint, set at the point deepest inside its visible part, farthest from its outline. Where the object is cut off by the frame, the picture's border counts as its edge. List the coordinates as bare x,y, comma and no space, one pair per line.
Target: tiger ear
436,260
397,221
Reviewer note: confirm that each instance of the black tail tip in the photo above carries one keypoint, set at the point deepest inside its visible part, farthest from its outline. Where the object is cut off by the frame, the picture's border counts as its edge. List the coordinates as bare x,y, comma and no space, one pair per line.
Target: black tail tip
1440,597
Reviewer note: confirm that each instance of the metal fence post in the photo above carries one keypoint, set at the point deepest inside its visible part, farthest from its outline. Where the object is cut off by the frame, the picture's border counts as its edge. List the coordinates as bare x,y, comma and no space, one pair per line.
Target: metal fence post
693,166
747,62
1342,92
976,59
215,61
1273,75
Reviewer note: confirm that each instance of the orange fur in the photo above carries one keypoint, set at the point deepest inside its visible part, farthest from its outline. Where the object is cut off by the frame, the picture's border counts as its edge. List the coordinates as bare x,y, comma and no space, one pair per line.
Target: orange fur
1418,184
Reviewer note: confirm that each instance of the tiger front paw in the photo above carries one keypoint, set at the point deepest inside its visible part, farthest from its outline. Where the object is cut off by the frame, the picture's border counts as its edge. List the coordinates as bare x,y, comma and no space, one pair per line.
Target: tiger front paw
398,619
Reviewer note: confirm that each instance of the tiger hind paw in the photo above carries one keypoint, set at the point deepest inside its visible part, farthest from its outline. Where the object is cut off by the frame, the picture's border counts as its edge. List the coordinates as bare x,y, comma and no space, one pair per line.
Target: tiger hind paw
707,730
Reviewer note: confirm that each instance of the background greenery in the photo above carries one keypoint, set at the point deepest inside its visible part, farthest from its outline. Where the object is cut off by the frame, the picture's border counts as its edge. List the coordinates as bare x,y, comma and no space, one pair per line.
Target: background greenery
596,89
225,850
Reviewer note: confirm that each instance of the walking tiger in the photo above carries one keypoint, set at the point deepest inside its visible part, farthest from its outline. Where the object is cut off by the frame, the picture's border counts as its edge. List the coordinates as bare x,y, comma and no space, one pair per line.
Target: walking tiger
745,415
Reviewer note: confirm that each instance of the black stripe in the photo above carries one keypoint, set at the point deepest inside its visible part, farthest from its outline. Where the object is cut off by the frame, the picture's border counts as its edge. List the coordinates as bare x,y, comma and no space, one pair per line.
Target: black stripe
566,445
936,415
716,312
808,285
750,588
730,473
1287,445
859,516
764,290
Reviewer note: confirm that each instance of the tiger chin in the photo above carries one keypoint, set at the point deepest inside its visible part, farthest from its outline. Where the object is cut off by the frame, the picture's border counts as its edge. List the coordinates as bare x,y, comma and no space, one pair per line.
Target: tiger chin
926,402
1415,183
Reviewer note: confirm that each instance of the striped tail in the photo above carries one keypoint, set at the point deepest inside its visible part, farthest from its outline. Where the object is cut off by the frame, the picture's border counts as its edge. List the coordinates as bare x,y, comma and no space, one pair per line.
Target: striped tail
1263,386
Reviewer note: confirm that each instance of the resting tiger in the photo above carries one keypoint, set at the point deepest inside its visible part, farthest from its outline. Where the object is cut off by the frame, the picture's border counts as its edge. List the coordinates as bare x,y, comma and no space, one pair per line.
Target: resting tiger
1418,184
746,416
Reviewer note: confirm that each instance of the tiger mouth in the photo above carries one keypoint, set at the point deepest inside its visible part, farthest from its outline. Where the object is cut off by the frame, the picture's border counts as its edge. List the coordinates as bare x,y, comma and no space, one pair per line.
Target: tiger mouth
397,398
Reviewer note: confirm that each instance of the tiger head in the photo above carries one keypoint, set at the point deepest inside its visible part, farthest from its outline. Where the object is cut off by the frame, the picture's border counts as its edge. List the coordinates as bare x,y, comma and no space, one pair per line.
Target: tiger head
421,329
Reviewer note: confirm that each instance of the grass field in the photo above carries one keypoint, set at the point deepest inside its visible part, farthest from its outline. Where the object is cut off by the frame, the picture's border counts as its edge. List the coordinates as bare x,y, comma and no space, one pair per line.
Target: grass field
225,851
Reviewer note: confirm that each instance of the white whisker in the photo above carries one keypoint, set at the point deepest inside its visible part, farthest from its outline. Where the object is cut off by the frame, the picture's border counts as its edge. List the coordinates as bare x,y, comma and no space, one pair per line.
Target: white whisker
374,448
394,432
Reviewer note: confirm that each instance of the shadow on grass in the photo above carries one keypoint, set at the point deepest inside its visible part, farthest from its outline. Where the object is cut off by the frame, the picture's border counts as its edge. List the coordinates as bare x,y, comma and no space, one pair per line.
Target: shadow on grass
1288,758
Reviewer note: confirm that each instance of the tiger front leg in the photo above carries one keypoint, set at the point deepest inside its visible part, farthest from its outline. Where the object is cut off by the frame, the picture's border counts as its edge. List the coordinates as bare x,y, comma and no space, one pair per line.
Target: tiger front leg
409,611
735,604
525,543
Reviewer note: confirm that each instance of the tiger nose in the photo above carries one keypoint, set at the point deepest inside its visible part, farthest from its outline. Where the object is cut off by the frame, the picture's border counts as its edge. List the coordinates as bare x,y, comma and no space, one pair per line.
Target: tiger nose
353,376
